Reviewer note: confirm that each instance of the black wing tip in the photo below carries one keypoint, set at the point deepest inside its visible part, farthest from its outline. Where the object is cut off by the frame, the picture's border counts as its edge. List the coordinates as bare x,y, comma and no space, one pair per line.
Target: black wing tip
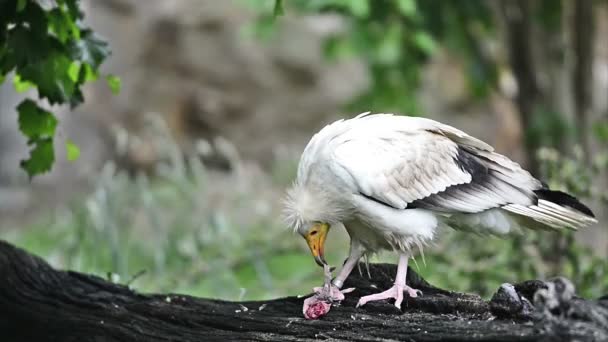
565,199
469,163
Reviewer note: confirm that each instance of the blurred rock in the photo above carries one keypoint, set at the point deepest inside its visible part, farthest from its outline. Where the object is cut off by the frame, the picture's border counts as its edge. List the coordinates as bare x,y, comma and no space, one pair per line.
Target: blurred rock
514,301
197,64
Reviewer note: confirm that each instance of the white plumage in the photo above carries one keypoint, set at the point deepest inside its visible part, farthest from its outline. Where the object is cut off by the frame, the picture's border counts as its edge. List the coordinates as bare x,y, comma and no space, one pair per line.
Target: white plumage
393,180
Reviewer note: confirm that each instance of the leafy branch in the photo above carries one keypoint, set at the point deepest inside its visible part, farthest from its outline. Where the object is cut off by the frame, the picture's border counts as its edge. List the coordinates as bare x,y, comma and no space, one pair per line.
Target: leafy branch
396,38
47,46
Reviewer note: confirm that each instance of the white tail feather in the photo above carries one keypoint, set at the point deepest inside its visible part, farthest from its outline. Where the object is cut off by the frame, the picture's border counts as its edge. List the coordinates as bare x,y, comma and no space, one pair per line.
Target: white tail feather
553,215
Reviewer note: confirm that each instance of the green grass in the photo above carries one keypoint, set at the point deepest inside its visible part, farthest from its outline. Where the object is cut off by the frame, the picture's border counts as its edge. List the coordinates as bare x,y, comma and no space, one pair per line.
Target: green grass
212,270
276,263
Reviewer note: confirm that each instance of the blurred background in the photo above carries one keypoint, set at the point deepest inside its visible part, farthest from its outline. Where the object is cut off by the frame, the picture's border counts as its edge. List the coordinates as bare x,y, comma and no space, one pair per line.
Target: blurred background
179,184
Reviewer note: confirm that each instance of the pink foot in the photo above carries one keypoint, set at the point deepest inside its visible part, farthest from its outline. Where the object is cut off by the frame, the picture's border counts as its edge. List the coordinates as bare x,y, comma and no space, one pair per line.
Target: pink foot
395,292
331,292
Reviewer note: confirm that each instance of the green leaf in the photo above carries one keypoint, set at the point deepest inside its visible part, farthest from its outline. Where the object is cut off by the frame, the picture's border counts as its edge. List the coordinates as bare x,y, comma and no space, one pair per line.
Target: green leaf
34,122
72,151
41,158
20,44
90,49
407,7
278,8
38,125
21,5
73,10
52,78
114,84
21,85
425,42
74,71
88,73
61,24
46,46
359,8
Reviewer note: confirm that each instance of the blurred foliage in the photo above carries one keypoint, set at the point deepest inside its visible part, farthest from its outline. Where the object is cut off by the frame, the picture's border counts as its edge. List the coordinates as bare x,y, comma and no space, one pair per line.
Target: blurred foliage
396,38
550,129
47,46
174,234
480,264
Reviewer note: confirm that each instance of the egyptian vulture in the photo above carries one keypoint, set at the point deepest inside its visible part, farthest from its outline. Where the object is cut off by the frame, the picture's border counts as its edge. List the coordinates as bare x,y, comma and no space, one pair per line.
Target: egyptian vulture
394,181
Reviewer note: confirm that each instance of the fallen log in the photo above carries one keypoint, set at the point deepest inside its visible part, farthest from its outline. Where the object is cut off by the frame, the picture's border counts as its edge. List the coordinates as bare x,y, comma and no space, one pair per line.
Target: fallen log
39,303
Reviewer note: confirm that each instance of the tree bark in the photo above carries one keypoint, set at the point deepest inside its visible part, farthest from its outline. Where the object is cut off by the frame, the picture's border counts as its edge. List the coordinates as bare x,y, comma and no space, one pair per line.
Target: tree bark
39,303
516,15
582,80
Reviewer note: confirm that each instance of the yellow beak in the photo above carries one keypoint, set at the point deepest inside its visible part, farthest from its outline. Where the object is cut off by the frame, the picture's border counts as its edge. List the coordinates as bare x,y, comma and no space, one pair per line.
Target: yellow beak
316,241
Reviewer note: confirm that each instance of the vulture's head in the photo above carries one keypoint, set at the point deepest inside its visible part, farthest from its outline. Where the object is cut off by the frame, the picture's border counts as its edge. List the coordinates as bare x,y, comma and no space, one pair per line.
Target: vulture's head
315,234
311,211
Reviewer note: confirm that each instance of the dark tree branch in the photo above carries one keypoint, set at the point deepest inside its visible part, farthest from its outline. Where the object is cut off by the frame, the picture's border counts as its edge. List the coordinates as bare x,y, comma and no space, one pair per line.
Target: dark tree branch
582,81
516,15
38,303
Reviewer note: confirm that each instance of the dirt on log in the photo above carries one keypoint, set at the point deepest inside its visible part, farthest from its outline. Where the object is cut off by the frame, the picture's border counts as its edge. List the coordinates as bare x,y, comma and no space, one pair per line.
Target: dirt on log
39,303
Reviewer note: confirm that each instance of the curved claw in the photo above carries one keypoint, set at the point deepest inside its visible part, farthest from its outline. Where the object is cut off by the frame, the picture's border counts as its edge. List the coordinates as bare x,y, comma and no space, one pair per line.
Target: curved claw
413,293
399,297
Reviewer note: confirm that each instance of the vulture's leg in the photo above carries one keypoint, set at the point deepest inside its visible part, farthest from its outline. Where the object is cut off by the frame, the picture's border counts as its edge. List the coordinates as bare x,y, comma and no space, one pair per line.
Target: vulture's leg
333,292
396,291
356,251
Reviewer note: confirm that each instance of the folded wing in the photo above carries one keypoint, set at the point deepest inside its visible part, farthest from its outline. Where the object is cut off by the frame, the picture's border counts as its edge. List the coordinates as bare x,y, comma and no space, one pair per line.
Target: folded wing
406,162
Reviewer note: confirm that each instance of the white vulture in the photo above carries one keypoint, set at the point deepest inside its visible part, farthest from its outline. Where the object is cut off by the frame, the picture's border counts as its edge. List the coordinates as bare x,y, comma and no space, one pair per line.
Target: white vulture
393,181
